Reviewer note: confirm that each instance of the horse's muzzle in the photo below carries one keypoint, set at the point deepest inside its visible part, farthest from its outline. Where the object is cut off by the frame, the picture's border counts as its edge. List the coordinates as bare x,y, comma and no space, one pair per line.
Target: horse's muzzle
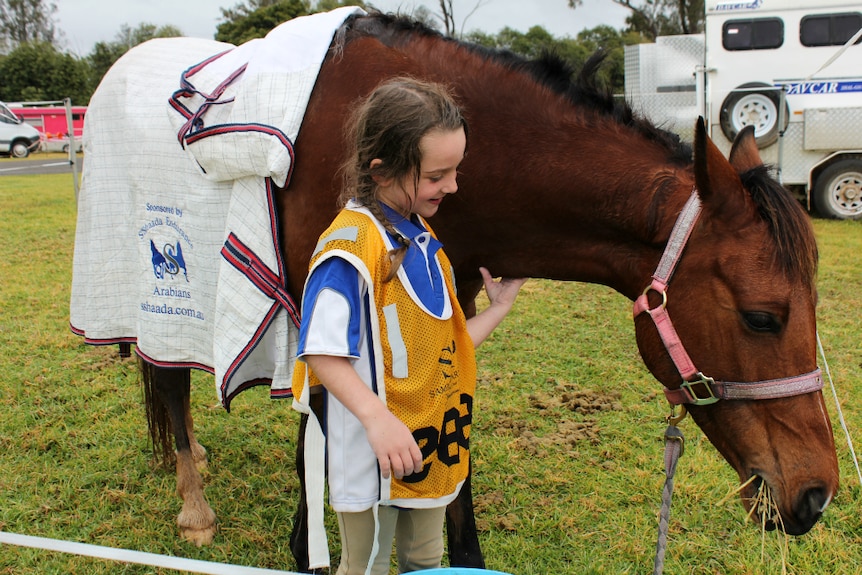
796,520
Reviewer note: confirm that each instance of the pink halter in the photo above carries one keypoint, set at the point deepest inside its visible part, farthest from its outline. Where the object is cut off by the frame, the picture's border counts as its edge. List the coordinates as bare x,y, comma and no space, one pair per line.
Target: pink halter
770,389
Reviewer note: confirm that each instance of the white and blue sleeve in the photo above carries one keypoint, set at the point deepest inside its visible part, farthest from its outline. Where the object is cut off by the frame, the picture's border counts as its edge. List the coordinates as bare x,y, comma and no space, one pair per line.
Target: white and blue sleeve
331,311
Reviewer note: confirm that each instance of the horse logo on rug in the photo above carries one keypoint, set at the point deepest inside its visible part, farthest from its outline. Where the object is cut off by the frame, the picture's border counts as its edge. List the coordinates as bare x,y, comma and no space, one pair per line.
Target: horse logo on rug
170,262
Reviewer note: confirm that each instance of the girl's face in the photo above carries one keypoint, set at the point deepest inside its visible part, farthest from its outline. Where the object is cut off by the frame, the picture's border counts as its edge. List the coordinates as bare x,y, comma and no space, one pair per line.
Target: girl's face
442,152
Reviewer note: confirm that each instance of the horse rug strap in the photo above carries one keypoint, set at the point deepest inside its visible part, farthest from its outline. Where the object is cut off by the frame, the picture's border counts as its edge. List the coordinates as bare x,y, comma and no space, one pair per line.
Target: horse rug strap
714,390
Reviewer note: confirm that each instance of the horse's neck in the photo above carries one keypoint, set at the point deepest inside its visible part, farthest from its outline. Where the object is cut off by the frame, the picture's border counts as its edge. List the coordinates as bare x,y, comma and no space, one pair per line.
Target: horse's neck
577,194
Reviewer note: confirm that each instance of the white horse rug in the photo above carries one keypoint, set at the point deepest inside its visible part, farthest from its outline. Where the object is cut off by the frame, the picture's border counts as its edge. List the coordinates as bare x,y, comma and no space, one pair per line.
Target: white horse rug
176,245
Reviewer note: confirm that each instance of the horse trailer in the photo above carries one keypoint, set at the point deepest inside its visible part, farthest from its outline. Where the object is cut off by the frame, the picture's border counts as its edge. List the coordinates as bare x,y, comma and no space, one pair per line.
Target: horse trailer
790,68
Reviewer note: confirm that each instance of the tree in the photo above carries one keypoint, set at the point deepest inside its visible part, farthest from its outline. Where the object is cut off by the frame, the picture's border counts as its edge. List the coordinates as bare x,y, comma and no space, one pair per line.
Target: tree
255,19
654,18
612,43
427,17
245,22
327,5
105,54
23,21
36,71
447,17
130,37
691,16
574,51
532,44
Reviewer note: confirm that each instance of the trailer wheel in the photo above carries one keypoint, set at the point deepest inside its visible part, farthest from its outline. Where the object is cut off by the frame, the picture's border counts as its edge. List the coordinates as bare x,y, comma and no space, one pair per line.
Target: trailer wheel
746,106
838,190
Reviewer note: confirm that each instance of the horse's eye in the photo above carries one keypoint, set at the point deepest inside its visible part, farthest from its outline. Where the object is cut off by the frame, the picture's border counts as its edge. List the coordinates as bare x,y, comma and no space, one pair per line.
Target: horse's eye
761,321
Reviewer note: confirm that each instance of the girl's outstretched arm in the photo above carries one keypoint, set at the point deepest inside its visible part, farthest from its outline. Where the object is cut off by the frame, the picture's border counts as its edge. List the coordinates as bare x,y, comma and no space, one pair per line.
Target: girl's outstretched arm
502,296
396,449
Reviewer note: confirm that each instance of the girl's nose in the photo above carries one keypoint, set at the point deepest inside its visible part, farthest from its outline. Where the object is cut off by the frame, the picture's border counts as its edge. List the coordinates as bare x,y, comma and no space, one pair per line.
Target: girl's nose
451,185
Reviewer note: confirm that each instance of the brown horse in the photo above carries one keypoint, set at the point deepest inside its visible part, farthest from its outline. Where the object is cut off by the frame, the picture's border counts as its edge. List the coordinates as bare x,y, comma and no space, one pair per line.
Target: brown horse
561,182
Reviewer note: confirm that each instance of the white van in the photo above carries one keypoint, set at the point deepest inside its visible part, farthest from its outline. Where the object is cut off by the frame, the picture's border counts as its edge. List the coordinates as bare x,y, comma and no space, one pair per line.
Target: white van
791,68
17,138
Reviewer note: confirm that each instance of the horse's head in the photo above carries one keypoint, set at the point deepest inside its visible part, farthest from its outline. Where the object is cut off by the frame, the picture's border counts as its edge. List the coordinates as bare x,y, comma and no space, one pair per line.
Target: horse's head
742,299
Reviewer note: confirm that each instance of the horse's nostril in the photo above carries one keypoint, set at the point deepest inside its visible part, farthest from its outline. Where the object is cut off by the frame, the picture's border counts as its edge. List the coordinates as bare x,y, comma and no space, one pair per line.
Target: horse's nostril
810,507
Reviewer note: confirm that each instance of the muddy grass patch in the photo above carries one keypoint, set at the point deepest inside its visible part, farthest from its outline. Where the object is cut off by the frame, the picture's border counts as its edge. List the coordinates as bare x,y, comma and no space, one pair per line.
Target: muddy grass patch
560,405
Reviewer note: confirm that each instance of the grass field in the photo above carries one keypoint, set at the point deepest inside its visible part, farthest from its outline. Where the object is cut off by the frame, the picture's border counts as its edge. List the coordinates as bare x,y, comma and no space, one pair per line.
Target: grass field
561,488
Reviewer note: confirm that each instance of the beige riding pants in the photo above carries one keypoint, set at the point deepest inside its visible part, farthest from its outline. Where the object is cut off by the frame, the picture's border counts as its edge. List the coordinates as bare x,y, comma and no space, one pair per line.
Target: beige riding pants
418,536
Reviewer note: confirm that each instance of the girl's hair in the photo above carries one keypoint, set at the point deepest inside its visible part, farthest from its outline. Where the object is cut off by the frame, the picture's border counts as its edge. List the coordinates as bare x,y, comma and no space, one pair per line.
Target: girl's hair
389,125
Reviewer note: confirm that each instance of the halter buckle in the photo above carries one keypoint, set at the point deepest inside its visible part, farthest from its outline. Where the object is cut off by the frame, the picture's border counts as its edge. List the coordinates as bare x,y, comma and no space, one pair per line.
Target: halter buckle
708,384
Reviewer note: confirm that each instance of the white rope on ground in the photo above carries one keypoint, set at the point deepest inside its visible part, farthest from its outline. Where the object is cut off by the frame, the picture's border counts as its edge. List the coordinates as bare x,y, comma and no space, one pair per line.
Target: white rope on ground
138,557
838,407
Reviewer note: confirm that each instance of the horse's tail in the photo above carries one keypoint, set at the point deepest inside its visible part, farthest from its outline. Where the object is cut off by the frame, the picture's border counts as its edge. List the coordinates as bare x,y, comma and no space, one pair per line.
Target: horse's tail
158,416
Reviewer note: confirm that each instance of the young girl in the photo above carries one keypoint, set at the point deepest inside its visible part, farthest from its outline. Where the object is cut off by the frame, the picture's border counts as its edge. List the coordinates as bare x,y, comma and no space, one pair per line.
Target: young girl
383,334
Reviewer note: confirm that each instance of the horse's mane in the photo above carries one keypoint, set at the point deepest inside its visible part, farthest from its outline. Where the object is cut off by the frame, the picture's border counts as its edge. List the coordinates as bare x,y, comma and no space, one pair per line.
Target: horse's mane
796,249
795,244
582,88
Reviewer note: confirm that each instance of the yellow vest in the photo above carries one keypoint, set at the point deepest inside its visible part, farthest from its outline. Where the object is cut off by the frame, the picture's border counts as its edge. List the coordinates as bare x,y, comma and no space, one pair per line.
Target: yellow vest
425,366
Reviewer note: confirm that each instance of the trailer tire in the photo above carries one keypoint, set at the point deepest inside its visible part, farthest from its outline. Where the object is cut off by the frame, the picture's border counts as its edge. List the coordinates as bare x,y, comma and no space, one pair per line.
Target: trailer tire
838,190
745,106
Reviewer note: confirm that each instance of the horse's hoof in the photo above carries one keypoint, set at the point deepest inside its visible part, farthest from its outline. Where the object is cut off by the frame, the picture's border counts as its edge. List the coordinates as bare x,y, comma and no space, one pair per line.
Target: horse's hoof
199,537
197,523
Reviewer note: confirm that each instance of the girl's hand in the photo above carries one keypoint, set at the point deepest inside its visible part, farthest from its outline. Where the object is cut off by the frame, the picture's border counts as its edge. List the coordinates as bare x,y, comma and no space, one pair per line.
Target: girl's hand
502,296
396,450
393,444
502,292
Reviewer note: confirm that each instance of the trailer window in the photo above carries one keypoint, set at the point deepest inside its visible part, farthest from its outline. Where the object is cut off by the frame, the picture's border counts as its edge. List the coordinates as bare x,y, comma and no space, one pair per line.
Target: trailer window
753,34
829,29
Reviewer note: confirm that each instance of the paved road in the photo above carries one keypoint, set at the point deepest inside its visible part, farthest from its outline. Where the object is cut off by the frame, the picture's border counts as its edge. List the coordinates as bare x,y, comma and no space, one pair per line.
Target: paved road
35,165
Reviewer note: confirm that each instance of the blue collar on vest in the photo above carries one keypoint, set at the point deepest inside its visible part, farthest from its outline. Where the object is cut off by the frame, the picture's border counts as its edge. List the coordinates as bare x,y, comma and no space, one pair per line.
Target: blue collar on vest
420,264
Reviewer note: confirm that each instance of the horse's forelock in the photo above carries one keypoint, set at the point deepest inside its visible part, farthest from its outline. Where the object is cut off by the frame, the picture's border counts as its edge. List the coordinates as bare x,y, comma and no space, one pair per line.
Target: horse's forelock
795,244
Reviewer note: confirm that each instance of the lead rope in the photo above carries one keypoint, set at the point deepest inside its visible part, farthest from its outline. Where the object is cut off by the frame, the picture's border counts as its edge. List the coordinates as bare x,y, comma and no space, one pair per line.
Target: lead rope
674,446
838,407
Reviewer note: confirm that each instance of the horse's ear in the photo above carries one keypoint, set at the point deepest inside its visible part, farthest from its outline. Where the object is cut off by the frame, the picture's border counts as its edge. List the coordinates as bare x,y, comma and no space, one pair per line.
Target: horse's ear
717,181
744,155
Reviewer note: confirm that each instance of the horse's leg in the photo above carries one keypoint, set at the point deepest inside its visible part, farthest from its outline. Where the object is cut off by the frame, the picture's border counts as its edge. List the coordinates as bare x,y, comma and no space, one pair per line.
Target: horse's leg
462,538
299,534
199,452
461,534
167,395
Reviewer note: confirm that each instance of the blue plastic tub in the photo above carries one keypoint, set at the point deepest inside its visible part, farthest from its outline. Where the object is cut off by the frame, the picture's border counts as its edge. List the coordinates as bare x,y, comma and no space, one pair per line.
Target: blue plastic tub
460,571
